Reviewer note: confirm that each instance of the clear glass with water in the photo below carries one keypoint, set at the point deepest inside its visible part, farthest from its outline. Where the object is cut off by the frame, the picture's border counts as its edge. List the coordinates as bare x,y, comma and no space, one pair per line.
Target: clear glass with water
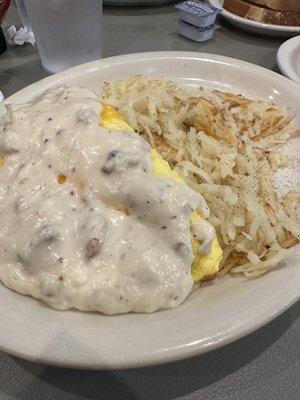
67,32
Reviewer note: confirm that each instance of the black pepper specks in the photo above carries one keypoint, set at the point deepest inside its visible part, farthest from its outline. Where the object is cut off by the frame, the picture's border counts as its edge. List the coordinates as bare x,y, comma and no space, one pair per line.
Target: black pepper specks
163,227
49,166
112,154
71,193
46,140
50,119
61,259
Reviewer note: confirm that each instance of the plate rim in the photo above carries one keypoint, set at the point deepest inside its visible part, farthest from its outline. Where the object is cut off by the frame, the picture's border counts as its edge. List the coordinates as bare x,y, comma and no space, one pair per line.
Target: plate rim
283,59
189,349
74,71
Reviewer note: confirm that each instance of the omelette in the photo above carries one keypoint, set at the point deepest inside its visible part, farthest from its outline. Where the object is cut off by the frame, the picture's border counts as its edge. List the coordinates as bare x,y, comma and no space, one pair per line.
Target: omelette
92,217
204,266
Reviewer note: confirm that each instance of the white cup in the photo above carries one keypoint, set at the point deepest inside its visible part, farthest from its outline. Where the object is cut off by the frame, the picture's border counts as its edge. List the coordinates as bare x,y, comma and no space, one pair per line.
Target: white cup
67,32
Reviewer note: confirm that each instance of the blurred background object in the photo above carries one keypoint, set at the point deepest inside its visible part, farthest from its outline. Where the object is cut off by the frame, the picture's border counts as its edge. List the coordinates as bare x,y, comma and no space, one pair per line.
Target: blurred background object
24,34
4,4
135,2
288,58
24,15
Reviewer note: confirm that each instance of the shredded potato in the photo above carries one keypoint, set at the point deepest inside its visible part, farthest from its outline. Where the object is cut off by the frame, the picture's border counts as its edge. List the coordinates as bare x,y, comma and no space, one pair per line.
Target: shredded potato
227,148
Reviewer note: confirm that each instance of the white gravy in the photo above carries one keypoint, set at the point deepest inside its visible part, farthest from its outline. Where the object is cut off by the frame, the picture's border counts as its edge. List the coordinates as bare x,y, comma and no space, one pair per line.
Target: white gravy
204,232
84,222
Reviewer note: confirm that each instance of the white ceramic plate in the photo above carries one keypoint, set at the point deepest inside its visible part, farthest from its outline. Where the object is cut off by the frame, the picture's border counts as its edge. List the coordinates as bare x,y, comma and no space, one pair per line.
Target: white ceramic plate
259,28
288,58
218,313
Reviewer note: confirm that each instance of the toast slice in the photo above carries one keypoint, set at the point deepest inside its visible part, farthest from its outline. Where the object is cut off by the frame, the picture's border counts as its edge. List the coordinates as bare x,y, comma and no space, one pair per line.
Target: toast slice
278,5
247,9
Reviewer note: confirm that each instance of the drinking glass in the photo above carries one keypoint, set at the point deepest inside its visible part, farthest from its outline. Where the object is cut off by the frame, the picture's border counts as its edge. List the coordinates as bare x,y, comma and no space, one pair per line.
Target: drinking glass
67,32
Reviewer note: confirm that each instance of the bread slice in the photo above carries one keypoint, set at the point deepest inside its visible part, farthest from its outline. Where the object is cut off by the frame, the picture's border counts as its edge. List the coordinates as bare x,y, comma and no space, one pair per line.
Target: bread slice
258,13
262,3
278,5
284,5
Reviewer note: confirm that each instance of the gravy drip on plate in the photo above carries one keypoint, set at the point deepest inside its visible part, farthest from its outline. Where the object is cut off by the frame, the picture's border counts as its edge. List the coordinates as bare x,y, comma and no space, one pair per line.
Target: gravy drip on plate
84,222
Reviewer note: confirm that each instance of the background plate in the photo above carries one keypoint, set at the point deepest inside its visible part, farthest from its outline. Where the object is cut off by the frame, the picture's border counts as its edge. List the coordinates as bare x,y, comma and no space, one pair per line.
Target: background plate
218,313
288,58
259,28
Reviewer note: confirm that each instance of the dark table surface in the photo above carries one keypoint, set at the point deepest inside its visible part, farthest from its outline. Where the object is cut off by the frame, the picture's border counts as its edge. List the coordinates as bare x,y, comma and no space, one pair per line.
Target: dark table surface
263,365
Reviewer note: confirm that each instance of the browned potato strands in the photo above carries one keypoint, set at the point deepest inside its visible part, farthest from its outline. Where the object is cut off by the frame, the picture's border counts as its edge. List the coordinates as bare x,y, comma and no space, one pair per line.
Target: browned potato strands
227,147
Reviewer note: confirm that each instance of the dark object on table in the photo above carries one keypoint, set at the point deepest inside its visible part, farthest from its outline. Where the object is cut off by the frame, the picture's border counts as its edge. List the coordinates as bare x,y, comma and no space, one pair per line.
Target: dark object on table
4,4
2,41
